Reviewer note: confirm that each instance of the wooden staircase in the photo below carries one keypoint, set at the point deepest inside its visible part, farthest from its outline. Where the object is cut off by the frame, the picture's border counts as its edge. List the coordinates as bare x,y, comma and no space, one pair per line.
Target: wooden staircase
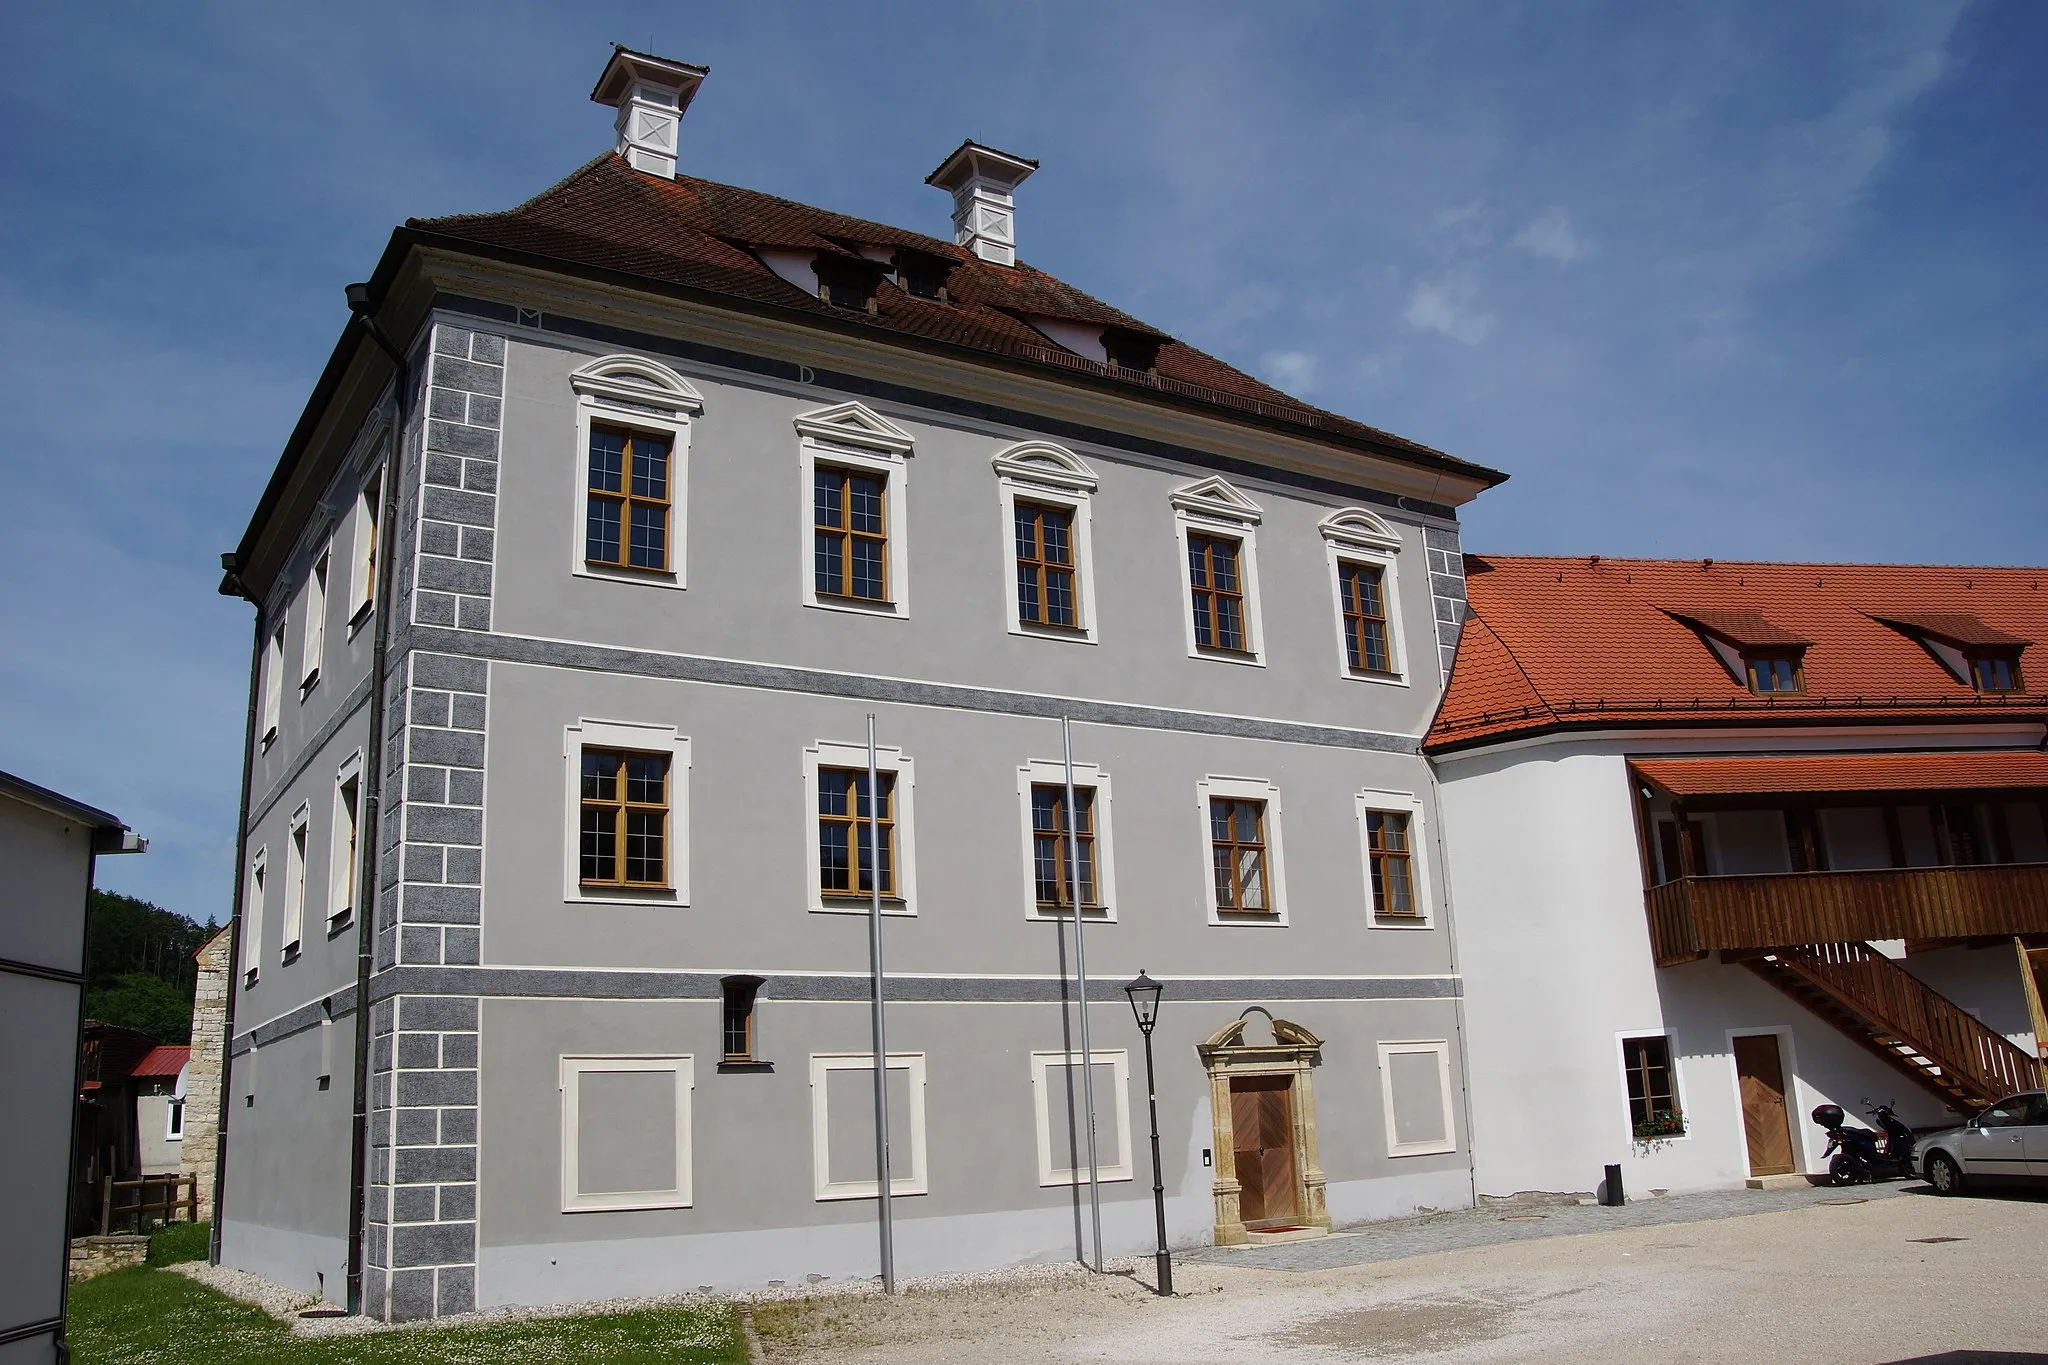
1897,1016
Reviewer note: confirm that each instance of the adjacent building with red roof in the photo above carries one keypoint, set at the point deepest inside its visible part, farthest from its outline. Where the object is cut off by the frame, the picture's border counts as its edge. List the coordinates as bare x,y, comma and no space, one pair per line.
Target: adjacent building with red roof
1734,839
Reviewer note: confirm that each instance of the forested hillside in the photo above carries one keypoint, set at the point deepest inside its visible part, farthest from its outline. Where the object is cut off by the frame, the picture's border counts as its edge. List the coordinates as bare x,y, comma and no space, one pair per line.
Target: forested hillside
139,971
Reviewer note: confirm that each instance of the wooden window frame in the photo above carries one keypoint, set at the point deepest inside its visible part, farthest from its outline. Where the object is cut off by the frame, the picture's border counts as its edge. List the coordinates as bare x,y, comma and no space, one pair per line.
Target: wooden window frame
1354,537
852,437
873,834
1202,593
1369,803
1041,566
627,500
1972,661
1215,509
1053,773
824,1188
639,397
1042,474
1356,620
1623,1041
1059,833
848,536
741,996
1243,789
622,805
1440,1049
826,755
1753,658
572,1070
626,737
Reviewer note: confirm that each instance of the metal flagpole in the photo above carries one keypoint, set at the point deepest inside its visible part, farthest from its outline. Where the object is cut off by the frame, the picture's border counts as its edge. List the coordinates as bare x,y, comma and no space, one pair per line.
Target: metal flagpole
1081,968
881,1032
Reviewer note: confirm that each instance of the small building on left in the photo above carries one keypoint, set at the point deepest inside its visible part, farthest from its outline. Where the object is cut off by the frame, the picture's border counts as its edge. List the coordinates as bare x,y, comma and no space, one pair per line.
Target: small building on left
48,844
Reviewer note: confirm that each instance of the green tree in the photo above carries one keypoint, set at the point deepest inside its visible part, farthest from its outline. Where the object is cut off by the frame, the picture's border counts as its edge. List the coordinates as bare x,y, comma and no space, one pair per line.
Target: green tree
138,965
145,1003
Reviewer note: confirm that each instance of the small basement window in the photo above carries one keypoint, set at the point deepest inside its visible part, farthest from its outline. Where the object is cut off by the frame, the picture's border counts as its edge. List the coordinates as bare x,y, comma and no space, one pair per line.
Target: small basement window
1770,673
1993,673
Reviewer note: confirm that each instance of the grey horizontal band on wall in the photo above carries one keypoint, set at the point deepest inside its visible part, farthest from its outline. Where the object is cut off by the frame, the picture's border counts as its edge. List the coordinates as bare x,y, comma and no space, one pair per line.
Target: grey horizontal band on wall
526,649
570,983
342,1004
1036,423
358,696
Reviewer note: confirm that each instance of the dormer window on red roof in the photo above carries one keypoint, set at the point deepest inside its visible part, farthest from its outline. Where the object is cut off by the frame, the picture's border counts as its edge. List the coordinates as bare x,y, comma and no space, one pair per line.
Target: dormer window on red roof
1981,655
923,276
1999,672
1766,658
846,283
1773,672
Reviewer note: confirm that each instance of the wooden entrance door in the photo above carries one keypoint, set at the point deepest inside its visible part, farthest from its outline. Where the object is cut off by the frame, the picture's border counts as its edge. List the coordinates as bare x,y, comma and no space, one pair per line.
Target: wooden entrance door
1764,1121
1262,1135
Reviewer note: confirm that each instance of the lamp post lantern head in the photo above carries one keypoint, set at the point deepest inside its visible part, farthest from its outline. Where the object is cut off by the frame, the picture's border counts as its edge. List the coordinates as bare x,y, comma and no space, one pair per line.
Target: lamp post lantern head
1144,993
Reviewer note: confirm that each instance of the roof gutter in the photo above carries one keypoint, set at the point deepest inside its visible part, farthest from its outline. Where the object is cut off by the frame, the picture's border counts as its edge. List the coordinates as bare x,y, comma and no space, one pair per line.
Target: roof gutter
1737,721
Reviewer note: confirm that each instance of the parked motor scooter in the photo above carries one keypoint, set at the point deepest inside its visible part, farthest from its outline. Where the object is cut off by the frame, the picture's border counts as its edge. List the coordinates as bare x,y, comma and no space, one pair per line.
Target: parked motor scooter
1858,1155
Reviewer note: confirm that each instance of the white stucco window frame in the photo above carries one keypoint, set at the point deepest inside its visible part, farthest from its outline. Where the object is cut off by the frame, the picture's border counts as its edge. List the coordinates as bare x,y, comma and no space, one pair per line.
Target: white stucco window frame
1044,1090
1628,1123
1410,805
1214,507
1245,789
1440,1048
341,868
854,436
1357,536
363,541
313,637
824,1187
640,737
252,916
832,754
273,679
637,394
1052,476
298,835
1053,773
573,1068
174,1118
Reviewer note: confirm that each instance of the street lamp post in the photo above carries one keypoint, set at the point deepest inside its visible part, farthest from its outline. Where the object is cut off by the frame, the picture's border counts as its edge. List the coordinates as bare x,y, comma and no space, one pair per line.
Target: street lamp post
1144,993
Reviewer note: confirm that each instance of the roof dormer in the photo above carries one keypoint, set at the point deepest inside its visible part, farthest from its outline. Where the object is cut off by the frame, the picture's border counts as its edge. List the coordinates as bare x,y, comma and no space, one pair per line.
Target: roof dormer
1972,652
1764,657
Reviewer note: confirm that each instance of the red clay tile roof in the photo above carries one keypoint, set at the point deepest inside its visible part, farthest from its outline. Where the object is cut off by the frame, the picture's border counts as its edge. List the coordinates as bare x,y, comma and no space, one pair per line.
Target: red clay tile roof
1847,773
1590,643
1954,627
1742,627
700,235
163,1062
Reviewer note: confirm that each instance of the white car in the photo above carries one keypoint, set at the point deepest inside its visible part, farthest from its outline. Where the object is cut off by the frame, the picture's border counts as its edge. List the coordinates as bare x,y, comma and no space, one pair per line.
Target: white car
2007,1141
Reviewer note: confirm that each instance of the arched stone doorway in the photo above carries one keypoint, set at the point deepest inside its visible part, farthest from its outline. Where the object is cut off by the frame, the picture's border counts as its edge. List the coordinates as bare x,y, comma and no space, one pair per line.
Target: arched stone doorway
1269,1176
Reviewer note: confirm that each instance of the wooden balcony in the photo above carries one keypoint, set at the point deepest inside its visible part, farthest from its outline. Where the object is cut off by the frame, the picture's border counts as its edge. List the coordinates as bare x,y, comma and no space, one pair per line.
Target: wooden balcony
1693,916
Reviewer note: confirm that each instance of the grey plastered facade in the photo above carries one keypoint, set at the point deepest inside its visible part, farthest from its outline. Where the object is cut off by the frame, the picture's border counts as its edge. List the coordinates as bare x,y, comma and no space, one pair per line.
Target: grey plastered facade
492,974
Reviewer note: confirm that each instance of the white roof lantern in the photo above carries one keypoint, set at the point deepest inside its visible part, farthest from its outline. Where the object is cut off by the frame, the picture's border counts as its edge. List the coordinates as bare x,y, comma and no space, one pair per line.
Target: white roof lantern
650,94
984,212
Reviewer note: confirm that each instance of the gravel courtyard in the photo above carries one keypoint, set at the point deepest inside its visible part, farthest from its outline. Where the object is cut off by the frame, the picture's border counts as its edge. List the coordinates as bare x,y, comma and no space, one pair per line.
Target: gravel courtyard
1899,1277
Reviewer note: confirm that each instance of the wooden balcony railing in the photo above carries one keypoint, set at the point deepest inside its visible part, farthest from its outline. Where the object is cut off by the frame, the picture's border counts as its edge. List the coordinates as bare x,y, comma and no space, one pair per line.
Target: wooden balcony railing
1975,1063
1694,916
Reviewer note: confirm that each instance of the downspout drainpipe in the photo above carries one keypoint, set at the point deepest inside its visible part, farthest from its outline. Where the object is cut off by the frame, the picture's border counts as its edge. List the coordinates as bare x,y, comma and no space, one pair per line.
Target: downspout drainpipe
233,583
373,788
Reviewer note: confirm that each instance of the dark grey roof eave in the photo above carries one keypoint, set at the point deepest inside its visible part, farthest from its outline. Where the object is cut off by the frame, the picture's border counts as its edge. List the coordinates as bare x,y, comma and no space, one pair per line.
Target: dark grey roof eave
24,790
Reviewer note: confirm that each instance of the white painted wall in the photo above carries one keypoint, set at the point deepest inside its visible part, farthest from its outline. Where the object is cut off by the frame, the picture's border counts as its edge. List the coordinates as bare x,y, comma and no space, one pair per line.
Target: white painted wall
1553,944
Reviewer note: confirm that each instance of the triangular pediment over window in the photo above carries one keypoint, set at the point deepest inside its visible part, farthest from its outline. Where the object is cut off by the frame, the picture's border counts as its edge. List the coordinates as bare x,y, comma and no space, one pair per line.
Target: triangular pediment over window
1217,498
856,424
1042,462
638,382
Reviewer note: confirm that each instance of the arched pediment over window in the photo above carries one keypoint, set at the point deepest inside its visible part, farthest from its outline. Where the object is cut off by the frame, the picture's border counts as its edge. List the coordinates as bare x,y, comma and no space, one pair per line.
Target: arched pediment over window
1042,462
637,382
1356,528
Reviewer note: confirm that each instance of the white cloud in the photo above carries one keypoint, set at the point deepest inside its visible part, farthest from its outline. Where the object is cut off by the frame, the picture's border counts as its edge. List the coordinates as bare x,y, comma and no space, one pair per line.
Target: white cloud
1294,371
1552,236
1450,304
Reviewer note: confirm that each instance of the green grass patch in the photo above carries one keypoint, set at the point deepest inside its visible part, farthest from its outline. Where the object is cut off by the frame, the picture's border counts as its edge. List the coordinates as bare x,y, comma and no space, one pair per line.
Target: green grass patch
174,1242
156,1317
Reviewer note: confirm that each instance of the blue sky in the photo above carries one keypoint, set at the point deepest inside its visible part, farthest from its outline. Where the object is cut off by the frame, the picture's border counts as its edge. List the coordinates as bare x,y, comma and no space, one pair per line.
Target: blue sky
1747,280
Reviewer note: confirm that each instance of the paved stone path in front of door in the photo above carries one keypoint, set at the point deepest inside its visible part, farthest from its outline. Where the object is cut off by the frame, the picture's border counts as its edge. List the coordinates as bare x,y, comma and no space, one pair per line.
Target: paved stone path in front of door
1363,1243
